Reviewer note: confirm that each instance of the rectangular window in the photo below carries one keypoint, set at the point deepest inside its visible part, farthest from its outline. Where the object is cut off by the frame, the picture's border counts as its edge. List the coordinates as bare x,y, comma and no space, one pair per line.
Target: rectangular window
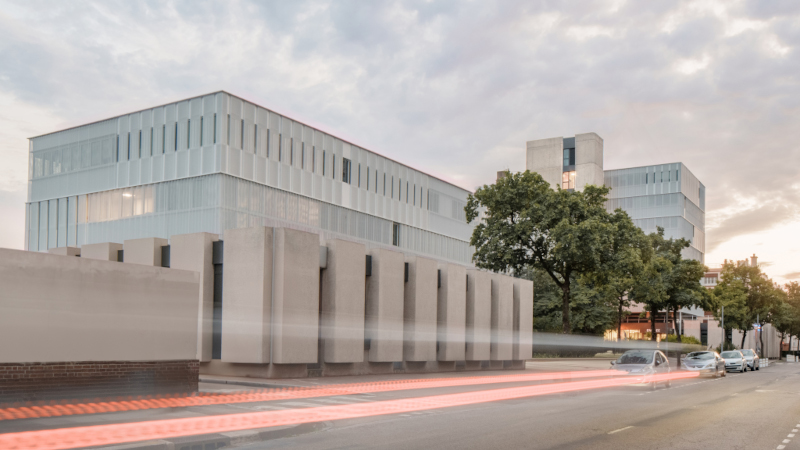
118,148
359,175
569,157
415,195
406,192
215,128
568,180
201,130
367,177
303,155
152,140
676,176
280,147
392,186
323,163
314,159
242,143
268,139
291,151
255,138
346,170
176,136
140,144
646,176
333,172
376,182
188,133
163,138
229,129
129,146
384,184
395,233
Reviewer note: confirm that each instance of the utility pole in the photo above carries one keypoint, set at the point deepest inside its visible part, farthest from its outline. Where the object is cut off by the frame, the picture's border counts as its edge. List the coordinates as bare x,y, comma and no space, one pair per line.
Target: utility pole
722,325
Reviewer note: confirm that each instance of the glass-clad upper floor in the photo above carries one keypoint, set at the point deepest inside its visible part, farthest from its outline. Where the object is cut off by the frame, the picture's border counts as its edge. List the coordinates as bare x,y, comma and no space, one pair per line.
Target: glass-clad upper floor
222,134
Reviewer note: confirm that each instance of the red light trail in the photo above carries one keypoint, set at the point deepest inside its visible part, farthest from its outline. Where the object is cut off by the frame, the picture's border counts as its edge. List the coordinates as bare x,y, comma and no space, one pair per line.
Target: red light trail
32,411
68,438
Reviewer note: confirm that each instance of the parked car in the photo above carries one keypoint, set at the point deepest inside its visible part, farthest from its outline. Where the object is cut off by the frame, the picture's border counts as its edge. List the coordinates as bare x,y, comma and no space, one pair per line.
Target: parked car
645,364
705,363
734,360
751,357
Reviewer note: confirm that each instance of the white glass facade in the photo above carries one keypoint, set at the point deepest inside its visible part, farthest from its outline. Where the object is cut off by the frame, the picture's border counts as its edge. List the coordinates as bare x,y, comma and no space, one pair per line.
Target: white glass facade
217,162
666,195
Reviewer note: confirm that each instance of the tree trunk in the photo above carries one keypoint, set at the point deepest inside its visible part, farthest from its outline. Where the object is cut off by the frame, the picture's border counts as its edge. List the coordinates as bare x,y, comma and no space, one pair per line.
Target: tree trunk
619,320
653,324
675,324
566,327
744,335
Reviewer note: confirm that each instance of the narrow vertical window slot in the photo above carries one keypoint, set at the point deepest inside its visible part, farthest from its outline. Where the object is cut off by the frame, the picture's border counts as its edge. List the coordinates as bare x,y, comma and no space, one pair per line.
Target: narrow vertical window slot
268,141
229,129
242,143
255,138
215,128
129,146
163,139
188,133
303,155
152,141
280,147
140,144
176,136
291,151
202,130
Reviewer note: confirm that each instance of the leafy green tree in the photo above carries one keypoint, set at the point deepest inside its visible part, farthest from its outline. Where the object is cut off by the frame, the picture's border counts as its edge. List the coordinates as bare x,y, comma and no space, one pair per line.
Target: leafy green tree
525,223
668,282
761,297
731,297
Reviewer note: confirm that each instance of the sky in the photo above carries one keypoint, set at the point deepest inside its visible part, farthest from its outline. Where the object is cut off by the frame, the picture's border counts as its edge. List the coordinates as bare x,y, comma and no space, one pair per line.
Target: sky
453,88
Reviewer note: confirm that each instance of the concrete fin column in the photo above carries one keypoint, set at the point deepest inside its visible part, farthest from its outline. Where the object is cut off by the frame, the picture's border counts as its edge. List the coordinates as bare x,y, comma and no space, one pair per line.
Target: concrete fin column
502,317
65,251
452,313
479,315
295,307
247,295
194,252
342,303
523,320
106,251
145,251
419,332
384,307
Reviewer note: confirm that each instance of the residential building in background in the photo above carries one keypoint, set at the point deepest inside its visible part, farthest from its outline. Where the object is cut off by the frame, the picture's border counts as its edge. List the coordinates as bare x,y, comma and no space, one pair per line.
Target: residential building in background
218,162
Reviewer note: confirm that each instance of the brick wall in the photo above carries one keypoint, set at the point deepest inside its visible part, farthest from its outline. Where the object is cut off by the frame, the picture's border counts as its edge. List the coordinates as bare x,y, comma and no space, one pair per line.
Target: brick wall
90,379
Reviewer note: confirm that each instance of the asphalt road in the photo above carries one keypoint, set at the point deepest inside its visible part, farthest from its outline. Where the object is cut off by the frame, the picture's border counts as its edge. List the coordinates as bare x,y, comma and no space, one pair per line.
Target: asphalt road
741,411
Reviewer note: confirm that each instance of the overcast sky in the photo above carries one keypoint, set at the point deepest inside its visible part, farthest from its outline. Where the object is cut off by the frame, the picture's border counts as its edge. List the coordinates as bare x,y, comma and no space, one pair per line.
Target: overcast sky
454,88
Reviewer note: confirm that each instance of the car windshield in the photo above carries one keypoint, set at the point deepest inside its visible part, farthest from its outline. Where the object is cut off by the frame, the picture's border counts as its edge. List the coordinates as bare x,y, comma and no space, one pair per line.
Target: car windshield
700,355
747,352
731,355
638,357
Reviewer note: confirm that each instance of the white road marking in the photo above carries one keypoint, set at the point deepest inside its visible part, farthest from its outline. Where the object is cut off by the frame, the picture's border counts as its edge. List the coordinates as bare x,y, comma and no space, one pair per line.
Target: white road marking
621,429
781,447
794,431
786,441
299,404
790,435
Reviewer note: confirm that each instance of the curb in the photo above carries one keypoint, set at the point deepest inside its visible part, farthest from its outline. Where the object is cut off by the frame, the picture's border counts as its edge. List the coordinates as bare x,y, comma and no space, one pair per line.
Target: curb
220,440
245,383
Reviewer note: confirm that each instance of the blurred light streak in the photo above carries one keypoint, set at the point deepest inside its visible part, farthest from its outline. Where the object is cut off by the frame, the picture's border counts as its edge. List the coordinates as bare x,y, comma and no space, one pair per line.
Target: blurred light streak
32,411
68,438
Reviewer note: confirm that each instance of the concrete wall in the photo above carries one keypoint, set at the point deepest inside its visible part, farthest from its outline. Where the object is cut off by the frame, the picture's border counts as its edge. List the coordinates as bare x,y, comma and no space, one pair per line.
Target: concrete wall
479,315
65,251
384,307
588,160
502,317
546,157
420,300
295,306
57,309
247,295
107,251
145,251
452,312
342,303
523,320
194,252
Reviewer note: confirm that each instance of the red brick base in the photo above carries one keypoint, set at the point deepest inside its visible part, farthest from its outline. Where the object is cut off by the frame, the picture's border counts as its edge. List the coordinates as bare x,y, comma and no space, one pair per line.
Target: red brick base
88,379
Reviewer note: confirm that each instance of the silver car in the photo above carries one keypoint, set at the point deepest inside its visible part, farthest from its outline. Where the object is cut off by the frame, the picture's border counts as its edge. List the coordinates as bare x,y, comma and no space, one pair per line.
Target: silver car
751,357
734,360
645,364
705,363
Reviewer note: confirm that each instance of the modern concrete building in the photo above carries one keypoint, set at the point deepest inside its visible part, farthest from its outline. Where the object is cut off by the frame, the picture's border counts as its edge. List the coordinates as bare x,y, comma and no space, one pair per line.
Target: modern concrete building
663,195
218,162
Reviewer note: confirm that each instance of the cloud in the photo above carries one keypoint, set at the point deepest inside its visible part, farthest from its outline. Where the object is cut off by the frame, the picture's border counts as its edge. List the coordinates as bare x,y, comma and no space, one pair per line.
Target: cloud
791,275
449,87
